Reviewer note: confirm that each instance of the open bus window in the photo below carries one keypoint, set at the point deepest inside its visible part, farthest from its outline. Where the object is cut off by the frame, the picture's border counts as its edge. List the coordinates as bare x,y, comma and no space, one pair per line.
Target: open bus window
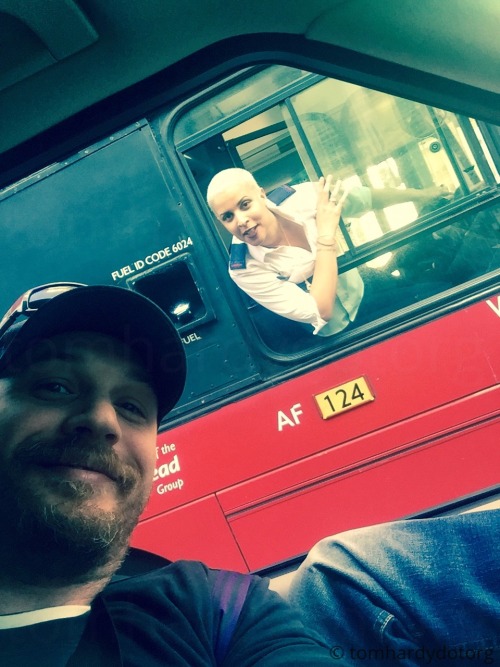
288,127
424,267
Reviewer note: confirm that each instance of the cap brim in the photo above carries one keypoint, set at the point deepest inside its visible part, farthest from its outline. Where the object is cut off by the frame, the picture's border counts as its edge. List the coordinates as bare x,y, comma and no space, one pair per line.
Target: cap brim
122,314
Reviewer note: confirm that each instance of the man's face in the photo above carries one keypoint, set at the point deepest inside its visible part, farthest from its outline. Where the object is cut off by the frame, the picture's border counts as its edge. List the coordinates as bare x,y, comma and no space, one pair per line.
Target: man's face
78,429
242,210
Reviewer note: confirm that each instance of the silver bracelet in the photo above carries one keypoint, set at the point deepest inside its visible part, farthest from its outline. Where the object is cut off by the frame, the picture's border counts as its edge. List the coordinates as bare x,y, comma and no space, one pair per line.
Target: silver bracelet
329,240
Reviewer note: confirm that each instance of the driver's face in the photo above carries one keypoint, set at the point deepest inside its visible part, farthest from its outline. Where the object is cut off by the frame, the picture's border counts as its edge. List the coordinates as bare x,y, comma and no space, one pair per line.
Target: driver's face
243,211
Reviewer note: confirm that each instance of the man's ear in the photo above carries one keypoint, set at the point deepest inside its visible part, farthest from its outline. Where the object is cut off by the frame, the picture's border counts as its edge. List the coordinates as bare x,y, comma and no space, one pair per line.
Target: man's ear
262,193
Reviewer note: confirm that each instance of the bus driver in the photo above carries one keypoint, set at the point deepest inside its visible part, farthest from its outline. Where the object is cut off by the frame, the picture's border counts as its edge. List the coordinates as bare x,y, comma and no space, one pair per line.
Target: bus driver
290,241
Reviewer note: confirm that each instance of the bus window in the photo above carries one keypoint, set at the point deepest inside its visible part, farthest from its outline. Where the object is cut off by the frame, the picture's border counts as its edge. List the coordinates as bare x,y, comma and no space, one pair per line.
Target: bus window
288,127
245,89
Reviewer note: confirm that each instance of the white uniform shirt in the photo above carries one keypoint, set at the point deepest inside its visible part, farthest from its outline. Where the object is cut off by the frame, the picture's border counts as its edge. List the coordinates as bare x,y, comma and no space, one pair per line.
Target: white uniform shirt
272,275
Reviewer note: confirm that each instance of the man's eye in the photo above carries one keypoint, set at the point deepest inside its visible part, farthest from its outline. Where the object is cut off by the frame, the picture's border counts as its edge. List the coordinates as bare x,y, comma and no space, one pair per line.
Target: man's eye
245,204
133,408
53,387
227,217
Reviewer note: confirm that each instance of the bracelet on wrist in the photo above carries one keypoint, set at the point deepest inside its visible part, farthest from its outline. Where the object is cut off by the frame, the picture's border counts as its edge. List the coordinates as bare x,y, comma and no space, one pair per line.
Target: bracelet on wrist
331,248
326,240
320,245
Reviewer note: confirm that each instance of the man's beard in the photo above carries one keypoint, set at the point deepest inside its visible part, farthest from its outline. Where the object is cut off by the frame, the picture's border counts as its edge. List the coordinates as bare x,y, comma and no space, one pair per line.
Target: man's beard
71,539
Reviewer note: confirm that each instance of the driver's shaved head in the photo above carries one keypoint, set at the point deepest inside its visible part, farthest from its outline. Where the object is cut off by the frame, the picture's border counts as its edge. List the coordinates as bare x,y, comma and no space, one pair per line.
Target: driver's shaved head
227,178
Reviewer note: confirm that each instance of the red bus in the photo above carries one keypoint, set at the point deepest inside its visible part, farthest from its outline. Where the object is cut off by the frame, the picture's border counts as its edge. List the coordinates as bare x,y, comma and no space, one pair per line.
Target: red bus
274,466
283,437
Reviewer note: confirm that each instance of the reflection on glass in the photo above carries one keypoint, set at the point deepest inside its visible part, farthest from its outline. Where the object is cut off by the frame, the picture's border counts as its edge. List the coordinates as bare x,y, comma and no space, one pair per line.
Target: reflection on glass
220,106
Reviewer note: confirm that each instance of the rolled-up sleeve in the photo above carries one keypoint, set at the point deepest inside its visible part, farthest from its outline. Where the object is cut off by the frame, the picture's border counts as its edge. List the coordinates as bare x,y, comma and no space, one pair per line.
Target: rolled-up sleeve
281,296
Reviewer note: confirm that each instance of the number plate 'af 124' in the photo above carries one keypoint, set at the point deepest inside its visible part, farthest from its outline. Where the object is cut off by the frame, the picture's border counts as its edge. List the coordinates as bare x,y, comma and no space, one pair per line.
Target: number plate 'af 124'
344,397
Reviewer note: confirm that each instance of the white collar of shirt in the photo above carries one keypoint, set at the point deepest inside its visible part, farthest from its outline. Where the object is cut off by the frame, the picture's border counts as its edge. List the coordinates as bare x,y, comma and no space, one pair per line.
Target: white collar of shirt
25,618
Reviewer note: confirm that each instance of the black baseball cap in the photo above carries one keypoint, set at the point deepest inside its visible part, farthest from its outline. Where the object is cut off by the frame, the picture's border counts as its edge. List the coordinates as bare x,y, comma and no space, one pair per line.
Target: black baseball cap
135,320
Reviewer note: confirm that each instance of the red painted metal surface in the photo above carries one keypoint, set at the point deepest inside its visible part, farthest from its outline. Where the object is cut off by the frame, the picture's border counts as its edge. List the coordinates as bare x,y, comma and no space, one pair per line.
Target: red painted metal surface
377,447
430,384
197,531
380,492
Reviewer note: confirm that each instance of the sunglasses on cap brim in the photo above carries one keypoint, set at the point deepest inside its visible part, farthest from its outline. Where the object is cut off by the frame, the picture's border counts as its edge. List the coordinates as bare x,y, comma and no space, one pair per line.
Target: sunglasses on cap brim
32,300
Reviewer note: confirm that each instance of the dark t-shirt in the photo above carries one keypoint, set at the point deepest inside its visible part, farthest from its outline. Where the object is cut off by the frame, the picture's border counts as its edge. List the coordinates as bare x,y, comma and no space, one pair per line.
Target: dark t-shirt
47,644
168,618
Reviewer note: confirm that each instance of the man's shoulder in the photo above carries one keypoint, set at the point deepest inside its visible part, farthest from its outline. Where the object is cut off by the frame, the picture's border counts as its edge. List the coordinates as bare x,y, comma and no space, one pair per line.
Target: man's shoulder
183,582
219,611
183,573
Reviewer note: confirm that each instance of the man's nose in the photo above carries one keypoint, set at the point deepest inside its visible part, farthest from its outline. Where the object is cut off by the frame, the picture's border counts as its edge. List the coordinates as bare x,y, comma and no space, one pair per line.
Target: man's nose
96,419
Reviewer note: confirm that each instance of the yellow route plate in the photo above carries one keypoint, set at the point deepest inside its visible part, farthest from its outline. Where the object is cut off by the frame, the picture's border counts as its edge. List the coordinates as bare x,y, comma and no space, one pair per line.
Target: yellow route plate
344,397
